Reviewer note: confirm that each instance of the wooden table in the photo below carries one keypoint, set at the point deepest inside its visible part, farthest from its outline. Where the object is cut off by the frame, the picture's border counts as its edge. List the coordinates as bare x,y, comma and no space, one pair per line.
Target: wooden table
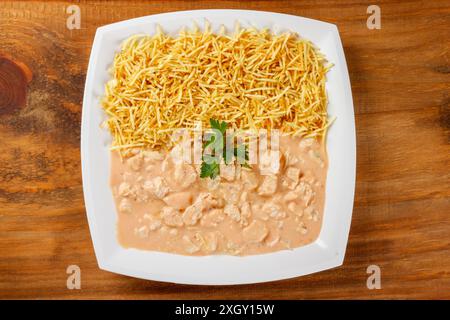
400,78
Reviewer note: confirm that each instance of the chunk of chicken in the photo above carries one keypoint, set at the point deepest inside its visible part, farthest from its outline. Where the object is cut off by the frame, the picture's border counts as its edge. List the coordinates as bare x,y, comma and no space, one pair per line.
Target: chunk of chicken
153,222
257,212
211,241
177,153
125,206
302,228
141,232
268,186
290,196
246,212
233,212
140,194
184,175
231,192
171,217
206,200
269,162
212,218
306,192
189,246
290,159
136,162
243,197
312,214
157,186
273,210
272,239
125,189
193,213
227,171
255,232
212,184
249,180
292,207
178,200
292,177
234,248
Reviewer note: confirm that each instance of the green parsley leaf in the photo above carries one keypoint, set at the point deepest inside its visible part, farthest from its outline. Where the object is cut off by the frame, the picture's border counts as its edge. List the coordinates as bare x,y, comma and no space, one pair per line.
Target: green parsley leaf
211,170
218,125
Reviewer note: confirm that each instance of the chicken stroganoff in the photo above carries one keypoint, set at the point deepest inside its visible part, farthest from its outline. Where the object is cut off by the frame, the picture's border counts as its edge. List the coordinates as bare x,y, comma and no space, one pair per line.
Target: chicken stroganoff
164,205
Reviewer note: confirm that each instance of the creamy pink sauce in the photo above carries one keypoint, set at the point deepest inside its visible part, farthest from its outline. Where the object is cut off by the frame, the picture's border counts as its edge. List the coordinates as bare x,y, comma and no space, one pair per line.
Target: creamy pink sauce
164,206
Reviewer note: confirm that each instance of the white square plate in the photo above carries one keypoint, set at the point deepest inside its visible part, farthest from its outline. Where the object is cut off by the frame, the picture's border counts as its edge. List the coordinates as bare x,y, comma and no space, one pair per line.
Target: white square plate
326,252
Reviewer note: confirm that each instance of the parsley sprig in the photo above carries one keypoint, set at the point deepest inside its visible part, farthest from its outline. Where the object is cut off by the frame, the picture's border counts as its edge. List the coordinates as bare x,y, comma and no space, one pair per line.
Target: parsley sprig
210,166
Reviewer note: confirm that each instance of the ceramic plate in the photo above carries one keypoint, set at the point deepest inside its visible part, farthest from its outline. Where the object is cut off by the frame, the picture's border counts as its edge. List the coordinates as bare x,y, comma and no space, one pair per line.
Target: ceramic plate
326,252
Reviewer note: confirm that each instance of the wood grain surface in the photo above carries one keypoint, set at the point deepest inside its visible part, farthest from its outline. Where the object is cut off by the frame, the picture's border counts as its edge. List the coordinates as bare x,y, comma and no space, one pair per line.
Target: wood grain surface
400,77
